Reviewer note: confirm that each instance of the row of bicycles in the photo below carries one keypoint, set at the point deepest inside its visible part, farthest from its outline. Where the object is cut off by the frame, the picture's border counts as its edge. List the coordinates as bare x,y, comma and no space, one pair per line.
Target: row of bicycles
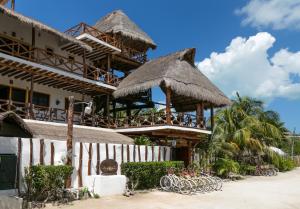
265,170
188,181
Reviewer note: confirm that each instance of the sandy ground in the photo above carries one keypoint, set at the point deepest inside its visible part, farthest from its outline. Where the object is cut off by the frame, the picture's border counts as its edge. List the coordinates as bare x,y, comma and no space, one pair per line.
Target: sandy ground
278,192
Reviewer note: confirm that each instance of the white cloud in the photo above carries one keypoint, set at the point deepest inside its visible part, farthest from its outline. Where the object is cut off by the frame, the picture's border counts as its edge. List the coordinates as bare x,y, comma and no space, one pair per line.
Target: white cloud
277,14
246,67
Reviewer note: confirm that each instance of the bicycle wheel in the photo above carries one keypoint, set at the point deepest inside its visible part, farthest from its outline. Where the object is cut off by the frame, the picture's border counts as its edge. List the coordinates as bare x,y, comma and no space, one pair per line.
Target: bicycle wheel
165,183
185,187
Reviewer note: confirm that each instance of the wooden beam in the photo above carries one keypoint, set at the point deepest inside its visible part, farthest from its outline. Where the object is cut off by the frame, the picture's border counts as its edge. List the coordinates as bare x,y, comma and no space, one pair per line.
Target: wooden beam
168,105
70,137
42,147
90,159
80,183
98,159
52,153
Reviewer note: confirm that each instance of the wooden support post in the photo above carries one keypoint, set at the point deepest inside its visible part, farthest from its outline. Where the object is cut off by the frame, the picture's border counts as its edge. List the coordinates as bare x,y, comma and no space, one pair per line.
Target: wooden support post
98,159
42,147
106,149
146,153
199,114
115,152
139,153
159,151
122,153
114,111
152,153
19,164
31,97
128,113
80,165
84,64
70,137
10,96
31,152
108,109
108,67
128,153
90,159
168,105
212,120
52,153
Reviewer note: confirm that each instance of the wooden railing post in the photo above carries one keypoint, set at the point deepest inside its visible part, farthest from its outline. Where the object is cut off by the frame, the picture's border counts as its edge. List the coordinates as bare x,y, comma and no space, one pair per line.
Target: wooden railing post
199,114
212,120
168,105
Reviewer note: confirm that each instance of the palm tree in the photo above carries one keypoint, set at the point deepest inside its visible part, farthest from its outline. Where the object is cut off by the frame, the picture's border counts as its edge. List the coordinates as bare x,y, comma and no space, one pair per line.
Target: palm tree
246,129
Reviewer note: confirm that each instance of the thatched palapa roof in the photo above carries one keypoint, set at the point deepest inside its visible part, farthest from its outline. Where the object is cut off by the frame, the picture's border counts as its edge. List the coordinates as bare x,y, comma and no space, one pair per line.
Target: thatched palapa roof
41,26
58,131
177,71
11,125
118,22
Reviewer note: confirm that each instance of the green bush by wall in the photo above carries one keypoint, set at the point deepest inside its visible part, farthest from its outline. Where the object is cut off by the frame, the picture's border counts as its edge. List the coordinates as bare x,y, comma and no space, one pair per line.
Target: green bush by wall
148,174
41,180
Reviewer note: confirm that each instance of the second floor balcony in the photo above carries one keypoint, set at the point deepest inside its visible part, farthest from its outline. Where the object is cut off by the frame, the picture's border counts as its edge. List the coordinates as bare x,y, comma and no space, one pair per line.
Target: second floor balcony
17,48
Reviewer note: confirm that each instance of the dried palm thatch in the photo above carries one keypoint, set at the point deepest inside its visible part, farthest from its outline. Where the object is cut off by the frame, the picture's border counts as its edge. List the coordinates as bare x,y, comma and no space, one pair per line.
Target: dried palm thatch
177,71
58,131
118,22
41,26
11,125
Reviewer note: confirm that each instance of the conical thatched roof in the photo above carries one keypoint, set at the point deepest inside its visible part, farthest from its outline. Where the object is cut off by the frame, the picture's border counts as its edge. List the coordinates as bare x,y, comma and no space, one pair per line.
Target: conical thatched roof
41,26
118,22
177,70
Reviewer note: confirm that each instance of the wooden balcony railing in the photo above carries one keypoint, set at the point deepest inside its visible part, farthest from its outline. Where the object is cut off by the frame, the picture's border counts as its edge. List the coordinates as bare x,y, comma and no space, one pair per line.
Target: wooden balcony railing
60,115
82,28
14,47
126,51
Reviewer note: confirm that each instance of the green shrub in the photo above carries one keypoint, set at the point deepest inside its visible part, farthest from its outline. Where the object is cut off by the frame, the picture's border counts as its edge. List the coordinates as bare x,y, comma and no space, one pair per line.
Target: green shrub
148,174
224,166
282,163
246,169
142,140
42,180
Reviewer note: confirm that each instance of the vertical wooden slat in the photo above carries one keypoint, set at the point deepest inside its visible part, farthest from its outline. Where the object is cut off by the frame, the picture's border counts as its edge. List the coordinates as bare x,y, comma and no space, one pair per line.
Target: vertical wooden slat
122,153
107,151
80,166
18,164
128,153
90,159
52,153
31,152
42,147
146,153
98,159
69,144
133,153
165,153
212,120
139,153
114,152
152,147
159,150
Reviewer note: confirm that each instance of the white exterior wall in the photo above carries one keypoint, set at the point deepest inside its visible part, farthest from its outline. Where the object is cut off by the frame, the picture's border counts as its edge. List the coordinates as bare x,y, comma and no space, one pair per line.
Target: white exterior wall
9,145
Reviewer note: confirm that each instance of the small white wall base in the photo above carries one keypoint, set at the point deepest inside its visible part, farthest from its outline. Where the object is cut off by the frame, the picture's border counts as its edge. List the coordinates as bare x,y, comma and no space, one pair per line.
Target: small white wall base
106,185
7,202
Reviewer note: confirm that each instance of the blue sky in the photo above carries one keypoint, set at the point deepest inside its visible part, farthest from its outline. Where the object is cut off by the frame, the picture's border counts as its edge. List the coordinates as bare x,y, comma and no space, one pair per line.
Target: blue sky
250,46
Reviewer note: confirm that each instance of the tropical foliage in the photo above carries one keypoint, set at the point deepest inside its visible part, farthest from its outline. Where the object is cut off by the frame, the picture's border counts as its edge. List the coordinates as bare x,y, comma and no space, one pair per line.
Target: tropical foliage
243,133
142,140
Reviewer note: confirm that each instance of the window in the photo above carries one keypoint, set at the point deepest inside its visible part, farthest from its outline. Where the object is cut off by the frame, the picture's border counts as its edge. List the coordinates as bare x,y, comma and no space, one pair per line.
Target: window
49,51
4,92
18,95
41,99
